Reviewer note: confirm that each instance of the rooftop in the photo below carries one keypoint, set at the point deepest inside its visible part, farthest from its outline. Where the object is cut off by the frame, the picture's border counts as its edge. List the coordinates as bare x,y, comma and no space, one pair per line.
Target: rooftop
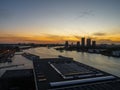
17,73
65,73
22,79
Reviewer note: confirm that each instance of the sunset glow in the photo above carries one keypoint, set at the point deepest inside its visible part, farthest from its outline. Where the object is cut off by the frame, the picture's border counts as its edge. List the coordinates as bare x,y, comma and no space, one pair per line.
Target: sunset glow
55,21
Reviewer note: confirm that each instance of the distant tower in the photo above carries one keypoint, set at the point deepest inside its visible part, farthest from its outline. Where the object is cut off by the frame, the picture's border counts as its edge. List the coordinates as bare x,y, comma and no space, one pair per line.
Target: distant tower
93,43
88,42
66,44
82,41
78,44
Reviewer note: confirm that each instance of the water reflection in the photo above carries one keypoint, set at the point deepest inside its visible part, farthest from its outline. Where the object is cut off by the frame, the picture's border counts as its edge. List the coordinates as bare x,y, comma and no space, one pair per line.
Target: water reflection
21,62
105,63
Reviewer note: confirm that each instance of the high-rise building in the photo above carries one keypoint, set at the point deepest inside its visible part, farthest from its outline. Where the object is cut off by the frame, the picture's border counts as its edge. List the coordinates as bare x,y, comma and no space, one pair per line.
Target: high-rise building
88,42
82,41
66,44
78,44
93,43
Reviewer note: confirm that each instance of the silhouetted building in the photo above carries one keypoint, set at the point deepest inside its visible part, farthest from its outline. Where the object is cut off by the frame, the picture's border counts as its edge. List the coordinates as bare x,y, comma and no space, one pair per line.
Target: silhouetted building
88,42
78,44
82,41
66,44
93,43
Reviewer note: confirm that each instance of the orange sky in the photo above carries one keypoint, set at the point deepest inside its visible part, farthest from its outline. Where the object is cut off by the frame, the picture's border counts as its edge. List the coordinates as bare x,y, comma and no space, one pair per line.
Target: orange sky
49,38
46,21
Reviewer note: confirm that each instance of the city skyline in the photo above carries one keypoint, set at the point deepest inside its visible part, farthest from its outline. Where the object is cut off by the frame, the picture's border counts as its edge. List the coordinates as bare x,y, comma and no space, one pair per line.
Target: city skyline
51,21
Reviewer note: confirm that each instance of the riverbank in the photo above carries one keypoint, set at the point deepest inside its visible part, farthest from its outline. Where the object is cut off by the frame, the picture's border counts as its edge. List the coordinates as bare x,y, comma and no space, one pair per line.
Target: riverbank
111,52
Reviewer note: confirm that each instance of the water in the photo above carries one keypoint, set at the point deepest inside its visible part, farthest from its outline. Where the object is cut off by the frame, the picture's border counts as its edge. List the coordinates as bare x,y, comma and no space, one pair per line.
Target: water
16,60
104,63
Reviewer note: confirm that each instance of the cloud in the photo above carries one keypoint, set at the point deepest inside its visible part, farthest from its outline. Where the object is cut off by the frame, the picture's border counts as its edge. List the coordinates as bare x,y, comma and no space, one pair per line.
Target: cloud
51,38
44,38
85,13
78,37
99,34
108,41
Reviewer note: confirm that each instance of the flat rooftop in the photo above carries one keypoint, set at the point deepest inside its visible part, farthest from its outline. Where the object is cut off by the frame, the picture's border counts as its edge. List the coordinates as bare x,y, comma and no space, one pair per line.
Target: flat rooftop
70,69
18,73
67,74
22,79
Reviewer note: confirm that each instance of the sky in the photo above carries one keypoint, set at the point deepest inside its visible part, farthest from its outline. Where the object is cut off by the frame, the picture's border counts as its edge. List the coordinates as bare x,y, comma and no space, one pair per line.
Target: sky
55,21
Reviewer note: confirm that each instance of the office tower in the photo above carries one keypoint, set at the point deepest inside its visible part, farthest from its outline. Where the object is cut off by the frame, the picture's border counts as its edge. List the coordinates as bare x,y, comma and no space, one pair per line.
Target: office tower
82,41
88,42
93,43
78,44
66,44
